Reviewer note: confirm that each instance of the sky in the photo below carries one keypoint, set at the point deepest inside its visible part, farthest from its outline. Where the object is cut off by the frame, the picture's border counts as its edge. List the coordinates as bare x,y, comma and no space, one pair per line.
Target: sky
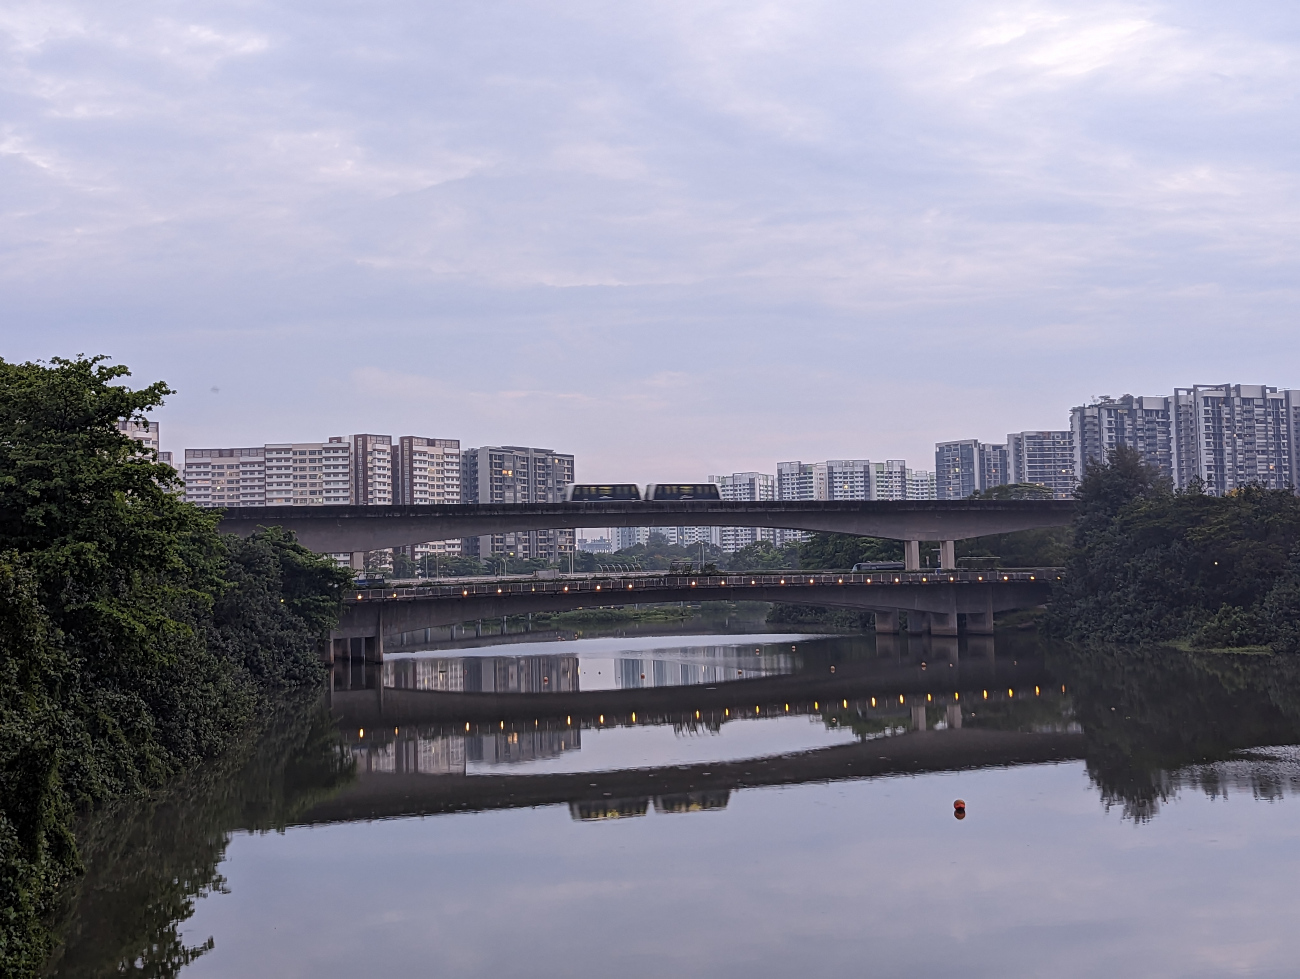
672,238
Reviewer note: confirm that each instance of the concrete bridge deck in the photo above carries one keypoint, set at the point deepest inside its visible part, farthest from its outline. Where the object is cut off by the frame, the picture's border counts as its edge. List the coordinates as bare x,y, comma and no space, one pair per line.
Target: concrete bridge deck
339,529
933,599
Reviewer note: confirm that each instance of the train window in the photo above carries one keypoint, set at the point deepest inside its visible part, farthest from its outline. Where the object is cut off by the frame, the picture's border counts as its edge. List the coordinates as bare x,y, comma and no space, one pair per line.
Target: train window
592,492
682,491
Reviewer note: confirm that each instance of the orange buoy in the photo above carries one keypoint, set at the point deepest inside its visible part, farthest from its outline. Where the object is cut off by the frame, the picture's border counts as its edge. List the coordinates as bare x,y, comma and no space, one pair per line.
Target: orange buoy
960,804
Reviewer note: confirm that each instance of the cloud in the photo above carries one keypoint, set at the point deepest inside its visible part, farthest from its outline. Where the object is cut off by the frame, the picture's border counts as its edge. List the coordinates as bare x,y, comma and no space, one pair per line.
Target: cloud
827,225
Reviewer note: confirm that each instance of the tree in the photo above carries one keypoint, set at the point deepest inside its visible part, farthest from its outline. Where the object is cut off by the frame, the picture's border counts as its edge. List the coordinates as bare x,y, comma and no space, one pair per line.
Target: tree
831,552
1015,491
134,640
763,555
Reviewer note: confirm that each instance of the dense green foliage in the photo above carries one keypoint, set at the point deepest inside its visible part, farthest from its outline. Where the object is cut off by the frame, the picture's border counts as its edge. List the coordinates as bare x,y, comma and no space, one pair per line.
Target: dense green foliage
134,640
763,555
1148,564
839,552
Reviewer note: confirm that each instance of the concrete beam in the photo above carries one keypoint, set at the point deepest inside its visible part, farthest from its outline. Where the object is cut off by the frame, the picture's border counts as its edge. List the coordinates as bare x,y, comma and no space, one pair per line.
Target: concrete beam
407,614
339,529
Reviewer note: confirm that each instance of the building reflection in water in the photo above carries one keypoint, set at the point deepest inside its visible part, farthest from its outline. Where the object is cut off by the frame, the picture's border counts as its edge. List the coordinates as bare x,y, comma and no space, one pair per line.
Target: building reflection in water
671,667
418,753
688,665
589,810
483,674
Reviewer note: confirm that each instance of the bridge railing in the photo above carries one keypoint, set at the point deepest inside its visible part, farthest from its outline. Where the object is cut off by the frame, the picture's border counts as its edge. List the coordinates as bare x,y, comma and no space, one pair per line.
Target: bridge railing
633,584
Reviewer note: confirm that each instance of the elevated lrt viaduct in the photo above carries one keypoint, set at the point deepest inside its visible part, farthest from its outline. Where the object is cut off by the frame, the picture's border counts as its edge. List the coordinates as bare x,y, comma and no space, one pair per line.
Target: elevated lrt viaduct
933,600
357,529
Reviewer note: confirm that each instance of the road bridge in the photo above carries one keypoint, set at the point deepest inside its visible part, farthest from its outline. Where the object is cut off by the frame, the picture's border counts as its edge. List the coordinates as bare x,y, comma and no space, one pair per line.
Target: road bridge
932,600
355,529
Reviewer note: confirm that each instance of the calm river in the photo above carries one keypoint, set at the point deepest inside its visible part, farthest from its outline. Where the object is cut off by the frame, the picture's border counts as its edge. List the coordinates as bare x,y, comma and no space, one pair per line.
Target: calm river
728,805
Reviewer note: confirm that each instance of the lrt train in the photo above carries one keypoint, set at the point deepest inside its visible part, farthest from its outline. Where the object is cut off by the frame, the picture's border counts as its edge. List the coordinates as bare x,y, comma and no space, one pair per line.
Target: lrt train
628,492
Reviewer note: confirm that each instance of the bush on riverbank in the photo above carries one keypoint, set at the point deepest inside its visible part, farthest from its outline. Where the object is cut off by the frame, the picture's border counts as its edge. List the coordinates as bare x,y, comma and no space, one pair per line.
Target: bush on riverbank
821,615
1149,565
134,640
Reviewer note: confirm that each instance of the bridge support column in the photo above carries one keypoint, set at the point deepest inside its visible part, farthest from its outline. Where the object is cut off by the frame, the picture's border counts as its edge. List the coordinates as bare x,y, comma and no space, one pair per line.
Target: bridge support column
981,623
953,716
912,555
358,561
980,647
947,554
943,648
887,621
918,717
944,623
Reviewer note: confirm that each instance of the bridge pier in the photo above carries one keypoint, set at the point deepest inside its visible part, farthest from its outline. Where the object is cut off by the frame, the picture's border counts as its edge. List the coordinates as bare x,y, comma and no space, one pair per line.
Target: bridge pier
980,647
918,717
886,621
912,555
953,716
943,623
981,623
944,648
947,554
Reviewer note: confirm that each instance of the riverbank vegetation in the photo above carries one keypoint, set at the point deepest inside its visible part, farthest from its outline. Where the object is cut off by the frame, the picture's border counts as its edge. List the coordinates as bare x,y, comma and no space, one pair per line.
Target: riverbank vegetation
135,641
1150,565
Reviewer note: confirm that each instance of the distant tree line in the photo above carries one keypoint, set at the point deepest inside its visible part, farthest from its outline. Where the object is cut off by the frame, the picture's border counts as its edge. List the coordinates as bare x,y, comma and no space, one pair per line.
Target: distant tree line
135,641
1148,564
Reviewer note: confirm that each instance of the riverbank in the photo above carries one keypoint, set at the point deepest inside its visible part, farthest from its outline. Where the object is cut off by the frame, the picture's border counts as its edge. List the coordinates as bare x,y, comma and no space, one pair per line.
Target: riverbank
135,642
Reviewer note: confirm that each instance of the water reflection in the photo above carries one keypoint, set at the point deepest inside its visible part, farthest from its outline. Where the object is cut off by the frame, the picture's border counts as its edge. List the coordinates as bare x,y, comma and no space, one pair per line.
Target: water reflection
439,753
483,674
591,665
511,742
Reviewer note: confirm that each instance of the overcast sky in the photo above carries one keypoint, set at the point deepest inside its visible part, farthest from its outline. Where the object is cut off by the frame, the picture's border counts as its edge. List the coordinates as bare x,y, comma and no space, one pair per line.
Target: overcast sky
672,238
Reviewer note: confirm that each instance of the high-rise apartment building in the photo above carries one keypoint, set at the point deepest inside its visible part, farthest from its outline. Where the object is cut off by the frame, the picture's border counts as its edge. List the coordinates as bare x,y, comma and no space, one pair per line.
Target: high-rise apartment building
1229,435
740,487
1141,423
517,474
1224,435
225,477
921,485
968,466
276,474
625,537
835,479
892,480
796,481
1044,458
372,470
309,473
845,479
145,433
427,470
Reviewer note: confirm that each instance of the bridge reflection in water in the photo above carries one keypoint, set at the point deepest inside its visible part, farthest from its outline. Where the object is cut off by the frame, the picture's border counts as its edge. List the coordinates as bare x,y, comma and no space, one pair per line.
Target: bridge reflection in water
457,734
